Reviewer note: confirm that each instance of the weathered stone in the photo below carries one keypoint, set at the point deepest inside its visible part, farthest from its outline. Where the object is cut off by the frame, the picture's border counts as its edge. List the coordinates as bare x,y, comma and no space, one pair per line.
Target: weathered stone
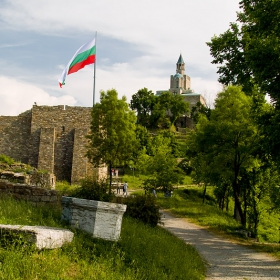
41,236
19,176
51,138
7,174
45,198
53,198
29,193
101,219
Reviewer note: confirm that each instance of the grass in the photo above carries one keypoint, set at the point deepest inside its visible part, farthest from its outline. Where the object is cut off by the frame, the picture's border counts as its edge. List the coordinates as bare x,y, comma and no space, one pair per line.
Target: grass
142,252
135,181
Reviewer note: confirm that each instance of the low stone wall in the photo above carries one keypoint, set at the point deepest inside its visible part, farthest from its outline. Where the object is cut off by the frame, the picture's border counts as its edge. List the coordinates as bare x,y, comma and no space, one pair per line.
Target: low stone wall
38,179
29,193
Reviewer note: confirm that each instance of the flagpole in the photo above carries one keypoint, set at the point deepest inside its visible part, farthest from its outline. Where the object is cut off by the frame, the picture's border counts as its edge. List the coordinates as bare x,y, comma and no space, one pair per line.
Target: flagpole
94,71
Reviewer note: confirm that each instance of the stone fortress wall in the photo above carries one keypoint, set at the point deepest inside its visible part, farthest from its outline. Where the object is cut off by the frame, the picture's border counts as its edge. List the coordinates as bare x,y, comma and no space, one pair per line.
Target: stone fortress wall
50,138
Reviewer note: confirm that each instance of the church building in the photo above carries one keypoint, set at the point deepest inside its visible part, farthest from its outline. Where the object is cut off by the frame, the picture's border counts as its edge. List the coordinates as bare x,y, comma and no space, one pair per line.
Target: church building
180,83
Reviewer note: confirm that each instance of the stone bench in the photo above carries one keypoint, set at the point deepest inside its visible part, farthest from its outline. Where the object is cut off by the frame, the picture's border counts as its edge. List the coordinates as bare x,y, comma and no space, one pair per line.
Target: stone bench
41,236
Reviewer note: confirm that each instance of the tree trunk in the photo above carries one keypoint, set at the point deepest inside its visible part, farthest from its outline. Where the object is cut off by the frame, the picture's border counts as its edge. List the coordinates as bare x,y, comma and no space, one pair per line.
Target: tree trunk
238,213
110,183
227,200
204,192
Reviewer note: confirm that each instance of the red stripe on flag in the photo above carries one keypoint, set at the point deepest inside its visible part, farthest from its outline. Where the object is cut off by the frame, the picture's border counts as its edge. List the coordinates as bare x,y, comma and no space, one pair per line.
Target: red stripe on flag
82,64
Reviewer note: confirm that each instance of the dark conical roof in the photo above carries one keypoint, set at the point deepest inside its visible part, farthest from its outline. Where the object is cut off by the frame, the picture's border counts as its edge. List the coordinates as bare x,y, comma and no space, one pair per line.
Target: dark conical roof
180,60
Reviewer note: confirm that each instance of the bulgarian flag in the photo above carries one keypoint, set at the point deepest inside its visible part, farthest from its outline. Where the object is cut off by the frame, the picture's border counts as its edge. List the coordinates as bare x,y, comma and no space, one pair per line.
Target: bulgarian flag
85,55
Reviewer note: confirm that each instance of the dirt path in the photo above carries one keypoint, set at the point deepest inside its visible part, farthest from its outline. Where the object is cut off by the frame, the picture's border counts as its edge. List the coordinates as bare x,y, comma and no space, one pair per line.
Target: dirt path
226,260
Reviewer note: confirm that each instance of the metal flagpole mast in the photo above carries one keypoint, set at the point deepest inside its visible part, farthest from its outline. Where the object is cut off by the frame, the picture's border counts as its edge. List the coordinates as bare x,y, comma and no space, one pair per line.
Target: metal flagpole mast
94,71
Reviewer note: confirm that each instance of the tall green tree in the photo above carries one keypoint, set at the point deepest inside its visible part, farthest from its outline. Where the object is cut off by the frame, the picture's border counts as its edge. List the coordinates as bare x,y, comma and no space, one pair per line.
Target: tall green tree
249,52
143,103
112,138
199,109
168,108
160,166
226,148
157,111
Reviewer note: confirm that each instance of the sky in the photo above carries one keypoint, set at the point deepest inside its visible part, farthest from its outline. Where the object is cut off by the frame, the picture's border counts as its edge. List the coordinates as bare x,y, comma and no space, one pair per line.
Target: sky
138,44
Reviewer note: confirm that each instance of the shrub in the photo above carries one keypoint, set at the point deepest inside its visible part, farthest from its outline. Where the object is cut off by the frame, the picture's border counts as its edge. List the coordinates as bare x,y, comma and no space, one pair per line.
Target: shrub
6,159
143,208
185,166
92,189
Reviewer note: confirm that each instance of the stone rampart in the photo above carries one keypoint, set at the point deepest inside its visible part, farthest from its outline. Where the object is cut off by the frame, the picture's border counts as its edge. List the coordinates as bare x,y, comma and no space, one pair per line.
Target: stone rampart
15,135
53,131
29,193
50,138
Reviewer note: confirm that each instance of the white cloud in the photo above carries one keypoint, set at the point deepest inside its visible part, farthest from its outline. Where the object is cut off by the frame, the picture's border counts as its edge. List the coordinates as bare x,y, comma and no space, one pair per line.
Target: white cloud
160,29
17,97
163,25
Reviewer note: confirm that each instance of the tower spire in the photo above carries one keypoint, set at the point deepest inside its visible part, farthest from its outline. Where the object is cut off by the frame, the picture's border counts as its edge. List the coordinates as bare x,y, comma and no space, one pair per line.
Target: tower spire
180,65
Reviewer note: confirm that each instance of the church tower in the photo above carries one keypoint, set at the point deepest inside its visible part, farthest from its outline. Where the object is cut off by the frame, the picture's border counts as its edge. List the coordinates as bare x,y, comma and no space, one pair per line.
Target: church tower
180,82
180,66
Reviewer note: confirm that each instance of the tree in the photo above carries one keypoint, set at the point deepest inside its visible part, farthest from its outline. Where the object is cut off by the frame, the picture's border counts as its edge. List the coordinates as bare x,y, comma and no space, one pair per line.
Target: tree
178,107
199,109
143,102
143,137
157,111
112,137
249,52
160,166
168,108
226,148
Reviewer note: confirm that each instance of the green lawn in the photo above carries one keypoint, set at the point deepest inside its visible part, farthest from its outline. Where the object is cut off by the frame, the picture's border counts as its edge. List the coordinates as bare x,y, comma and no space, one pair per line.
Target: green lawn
142,252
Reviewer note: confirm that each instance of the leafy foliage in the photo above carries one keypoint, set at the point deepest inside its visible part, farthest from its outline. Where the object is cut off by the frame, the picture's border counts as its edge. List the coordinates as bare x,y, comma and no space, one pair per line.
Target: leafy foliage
6,159
158,111
226,151
200,109
144,209
143,103
92,189
112,137
185,165
248,54
159,165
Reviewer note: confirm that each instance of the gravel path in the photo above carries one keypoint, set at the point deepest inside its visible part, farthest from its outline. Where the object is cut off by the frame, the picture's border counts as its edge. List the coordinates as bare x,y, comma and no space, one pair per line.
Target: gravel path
226,260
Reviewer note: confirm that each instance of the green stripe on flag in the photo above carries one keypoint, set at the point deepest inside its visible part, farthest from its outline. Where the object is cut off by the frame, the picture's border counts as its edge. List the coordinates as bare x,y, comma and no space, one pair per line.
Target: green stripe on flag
82,56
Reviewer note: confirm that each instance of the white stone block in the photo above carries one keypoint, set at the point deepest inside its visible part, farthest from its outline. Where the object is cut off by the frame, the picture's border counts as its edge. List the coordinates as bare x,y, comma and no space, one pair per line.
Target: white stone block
41,236
100,219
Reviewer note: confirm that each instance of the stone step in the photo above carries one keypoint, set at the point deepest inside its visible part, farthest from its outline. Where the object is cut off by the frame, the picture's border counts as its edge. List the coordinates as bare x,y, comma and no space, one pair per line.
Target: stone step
42,236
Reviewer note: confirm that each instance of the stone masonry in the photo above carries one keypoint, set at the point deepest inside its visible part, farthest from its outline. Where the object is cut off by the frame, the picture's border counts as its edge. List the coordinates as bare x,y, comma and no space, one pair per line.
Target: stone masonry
30,193
50,138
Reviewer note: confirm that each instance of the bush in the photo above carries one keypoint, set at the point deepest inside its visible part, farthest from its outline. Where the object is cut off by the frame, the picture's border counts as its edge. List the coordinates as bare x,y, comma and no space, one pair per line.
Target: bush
93,190
185,166
6,159
143,208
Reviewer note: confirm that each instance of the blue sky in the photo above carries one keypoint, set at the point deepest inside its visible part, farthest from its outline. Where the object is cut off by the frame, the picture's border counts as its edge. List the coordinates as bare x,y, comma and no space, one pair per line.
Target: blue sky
138,45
